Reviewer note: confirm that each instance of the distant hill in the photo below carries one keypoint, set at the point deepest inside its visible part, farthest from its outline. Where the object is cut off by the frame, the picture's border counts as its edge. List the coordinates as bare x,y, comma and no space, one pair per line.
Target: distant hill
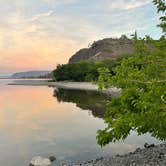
32,74
4,77
108,48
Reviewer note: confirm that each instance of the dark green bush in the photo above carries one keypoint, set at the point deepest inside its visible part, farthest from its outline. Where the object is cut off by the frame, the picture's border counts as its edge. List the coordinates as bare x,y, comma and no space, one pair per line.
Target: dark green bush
82,71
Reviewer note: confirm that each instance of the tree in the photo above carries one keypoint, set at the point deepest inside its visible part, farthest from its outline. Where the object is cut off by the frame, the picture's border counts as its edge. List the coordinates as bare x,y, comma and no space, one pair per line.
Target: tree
81,71
142,78
161,8
124,37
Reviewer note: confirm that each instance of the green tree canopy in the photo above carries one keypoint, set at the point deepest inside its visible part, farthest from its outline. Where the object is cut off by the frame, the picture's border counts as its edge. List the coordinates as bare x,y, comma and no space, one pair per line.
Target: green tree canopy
142,78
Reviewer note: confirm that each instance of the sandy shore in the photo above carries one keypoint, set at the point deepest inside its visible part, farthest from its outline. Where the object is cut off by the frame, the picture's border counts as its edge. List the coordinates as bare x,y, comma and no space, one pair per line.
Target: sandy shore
67,85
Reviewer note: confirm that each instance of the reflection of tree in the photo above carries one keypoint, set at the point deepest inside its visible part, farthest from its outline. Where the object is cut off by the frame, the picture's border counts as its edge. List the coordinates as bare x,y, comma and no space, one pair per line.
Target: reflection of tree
86,100
122,124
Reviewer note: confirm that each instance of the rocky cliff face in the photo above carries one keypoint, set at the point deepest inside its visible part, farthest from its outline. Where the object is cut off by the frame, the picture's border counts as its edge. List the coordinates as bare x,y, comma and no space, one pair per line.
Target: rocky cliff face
104,49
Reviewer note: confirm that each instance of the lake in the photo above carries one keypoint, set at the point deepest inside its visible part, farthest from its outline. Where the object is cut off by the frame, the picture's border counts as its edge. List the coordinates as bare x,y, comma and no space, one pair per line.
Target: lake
38,120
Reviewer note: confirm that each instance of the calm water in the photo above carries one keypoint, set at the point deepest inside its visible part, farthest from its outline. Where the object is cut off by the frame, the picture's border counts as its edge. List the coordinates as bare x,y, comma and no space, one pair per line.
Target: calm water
36,120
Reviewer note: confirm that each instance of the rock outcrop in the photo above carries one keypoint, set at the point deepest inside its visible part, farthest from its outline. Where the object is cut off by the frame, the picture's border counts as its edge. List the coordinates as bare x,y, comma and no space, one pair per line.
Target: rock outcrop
108,48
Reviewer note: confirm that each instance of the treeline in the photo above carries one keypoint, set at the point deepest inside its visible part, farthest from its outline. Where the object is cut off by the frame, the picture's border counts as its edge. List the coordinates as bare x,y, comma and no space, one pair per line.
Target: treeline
82,71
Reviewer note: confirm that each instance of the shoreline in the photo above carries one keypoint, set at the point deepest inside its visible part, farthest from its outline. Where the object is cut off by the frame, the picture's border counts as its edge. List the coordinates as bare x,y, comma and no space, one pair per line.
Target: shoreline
150,155
113,91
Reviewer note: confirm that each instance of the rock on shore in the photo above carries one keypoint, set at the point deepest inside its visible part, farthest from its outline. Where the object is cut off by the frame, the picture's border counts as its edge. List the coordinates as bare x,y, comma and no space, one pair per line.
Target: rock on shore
40,161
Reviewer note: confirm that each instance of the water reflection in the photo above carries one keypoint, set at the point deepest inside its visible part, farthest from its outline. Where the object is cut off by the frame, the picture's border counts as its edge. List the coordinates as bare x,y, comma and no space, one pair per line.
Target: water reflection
33,122
123,123
86,100
153,123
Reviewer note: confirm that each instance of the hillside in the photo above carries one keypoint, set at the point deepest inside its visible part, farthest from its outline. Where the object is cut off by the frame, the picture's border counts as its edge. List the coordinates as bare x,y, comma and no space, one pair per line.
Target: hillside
108,48
31,74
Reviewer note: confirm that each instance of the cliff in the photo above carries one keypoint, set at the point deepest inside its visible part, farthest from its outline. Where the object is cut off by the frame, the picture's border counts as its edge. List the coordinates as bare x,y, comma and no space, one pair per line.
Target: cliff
108,48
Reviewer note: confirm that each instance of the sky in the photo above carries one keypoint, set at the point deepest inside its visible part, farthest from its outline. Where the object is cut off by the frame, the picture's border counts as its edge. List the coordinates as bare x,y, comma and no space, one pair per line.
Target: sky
39,34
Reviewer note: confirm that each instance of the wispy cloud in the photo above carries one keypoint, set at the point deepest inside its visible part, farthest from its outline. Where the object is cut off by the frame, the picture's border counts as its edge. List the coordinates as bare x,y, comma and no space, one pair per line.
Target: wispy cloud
40,16
60,1
125,4
40,34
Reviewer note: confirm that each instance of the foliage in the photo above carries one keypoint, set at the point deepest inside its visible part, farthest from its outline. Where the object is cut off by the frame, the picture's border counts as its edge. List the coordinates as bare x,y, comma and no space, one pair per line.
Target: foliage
124,37
82,71
104,78
142,103
161,8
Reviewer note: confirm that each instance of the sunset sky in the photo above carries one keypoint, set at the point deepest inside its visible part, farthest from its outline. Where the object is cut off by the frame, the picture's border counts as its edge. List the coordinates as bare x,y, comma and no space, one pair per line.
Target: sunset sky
39,34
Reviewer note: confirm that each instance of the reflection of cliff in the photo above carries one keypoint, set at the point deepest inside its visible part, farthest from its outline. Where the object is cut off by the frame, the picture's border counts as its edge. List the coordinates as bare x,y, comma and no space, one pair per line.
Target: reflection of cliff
86,100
